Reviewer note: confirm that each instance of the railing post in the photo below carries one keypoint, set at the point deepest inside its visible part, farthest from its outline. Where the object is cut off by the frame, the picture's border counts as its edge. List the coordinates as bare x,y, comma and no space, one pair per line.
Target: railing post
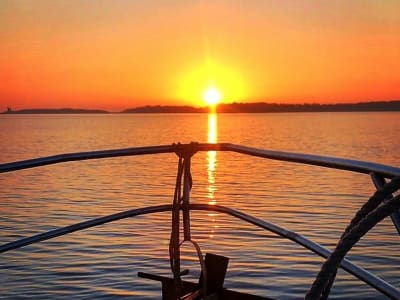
379,182
181,202
187,186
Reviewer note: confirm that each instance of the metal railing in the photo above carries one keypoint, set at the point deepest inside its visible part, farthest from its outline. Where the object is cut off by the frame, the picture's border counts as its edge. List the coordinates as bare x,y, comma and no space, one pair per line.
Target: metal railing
378,172
317,160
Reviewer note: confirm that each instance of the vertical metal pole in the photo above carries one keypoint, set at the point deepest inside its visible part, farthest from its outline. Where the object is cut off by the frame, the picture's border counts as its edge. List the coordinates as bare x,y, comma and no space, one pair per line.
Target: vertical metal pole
379,182
187,185
174,251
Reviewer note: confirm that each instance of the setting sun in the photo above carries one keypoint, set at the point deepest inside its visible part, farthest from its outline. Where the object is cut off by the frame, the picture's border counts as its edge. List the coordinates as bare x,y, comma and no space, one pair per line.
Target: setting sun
212,96
210,82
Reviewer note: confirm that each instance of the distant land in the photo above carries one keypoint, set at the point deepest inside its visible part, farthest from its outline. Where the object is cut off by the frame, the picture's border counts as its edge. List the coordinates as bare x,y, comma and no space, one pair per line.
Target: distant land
258,107
55,111
263,107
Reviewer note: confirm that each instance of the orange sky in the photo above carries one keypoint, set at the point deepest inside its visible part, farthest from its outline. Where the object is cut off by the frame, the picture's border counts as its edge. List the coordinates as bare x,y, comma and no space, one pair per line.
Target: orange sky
119,54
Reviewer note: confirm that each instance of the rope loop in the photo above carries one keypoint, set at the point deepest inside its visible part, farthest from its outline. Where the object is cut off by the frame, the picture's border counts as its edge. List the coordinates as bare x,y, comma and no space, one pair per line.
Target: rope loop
202,263
183,187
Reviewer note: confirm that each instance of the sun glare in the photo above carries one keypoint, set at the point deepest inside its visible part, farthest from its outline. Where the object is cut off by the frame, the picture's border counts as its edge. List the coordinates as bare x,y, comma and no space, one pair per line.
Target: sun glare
210,82
212,96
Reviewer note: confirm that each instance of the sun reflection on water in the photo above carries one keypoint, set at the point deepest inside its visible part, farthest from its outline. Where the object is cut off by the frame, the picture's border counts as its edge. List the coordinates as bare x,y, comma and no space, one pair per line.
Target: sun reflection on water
212,157
212,137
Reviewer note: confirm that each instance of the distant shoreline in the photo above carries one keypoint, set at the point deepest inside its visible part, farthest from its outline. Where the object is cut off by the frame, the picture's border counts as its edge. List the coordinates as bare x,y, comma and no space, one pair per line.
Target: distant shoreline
54,111
258,107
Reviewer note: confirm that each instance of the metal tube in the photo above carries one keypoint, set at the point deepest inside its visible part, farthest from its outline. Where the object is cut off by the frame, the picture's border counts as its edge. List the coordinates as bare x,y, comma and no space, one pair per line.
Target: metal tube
322,161
55,159
369,278
379,182
83,225
187,186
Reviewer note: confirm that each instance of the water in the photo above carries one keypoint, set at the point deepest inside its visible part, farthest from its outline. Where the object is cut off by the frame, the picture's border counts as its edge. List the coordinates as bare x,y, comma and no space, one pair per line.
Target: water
103,262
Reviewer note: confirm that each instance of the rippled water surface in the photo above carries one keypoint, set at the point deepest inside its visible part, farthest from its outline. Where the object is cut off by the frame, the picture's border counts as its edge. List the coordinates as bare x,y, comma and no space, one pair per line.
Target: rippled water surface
104,261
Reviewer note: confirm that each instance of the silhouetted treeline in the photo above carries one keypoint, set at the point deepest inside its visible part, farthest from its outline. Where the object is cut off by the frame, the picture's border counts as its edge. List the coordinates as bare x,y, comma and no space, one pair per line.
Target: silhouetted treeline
166,109
55,111
262,107
258,107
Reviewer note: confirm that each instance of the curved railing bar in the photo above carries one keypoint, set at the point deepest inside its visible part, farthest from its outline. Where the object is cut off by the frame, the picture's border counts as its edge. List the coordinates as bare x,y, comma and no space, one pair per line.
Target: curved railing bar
359,272
83,225
322,161
318,160
66,157
369,278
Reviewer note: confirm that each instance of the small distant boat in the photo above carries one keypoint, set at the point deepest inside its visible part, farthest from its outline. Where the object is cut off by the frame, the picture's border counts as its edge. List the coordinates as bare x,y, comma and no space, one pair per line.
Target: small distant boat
385,202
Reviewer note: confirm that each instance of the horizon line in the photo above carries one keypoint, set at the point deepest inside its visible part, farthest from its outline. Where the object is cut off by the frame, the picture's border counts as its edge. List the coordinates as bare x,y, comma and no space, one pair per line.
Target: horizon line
199,109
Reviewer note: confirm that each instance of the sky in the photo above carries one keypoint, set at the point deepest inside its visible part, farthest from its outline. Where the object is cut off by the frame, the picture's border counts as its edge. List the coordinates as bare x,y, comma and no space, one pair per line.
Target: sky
119,54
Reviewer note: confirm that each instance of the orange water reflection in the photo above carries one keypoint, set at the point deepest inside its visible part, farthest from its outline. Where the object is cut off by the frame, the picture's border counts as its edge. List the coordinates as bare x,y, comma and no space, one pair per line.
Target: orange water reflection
212,137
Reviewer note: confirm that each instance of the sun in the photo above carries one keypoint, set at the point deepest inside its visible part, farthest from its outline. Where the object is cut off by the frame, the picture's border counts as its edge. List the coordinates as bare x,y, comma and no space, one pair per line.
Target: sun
212,96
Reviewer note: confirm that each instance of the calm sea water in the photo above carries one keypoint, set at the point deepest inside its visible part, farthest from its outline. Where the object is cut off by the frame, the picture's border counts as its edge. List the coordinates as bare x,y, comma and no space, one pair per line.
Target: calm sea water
103,262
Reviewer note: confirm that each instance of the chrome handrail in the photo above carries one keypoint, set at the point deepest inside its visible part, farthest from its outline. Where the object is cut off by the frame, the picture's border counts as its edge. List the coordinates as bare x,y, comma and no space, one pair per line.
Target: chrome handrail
378,173
369,278
378,170
318,160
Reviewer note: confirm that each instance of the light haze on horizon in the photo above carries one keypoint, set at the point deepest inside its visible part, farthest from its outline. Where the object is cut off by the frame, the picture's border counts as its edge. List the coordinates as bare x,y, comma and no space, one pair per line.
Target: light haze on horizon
120,54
